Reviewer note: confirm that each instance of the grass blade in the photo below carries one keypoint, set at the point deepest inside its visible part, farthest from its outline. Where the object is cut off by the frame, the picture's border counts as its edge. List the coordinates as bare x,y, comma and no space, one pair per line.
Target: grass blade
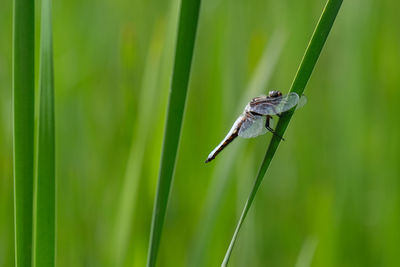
44,230
303,74
187,27
23,108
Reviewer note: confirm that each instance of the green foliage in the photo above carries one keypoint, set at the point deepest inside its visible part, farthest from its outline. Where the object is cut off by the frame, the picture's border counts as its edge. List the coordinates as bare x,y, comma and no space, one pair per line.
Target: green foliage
45,197
331,195
187,28
23,104
303,74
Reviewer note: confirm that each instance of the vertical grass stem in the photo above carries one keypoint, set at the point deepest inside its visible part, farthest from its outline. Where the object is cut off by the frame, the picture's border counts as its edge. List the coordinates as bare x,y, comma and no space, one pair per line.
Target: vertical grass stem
303,74
23,127
45,187
187,27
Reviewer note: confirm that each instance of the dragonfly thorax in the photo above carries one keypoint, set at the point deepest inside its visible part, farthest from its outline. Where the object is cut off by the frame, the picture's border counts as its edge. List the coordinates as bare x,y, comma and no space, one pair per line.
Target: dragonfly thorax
247,108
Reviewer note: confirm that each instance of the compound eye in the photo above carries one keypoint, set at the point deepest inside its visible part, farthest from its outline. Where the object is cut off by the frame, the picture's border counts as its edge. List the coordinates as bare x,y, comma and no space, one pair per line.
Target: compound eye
274,93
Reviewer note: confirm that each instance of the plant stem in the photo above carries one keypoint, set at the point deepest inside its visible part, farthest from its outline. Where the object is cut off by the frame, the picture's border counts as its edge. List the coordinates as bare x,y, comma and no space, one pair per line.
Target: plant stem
44,232
23,111
303,74
187,27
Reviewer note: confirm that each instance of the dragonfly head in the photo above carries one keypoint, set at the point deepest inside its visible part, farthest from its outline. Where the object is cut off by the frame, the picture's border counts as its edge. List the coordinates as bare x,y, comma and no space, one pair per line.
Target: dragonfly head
274,93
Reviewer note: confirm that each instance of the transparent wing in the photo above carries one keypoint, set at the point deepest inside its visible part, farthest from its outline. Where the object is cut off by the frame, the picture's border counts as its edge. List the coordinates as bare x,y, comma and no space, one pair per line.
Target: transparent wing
302,101
274,105
253,127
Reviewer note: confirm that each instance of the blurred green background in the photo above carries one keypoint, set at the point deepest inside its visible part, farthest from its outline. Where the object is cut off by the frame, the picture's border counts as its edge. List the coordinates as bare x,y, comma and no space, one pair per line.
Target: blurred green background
331,196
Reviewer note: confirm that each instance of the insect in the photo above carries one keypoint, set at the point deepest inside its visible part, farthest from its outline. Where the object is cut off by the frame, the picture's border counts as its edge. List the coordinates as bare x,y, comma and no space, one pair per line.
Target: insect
256,118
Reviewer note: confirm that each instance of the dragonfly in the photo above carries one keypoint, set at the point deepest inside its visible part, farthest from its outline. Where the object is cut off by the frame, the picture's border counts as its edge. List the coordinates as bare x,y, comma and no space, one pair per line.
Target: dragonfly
256,118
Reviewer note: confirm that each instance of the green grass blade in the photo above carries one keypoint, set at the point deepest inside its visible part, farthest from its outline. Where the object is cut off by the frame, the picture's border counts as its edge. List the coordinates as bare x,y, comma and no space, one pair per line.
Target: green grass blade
23,108
187,27
303,74
44,232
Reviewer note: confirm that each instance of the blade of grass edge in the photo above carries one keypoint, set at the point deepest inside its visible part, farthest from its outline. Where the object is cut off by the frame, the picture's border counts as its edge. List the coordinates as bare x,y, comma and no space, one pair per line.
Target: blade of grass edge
303,74
23,127
187,27
44,224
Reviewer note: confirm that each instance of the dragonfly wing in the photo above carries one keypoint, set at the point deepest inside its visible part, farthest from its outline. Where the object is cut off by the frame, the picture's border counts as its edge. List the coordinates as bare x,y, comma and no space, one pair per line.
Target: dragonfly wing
302,101
253,127
275,105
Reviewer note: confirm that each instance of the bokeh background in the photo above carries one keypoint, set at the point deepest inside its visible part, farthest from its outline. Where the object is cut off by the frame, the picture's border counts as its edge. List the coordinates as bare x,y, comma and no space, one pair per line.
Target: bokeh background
332,194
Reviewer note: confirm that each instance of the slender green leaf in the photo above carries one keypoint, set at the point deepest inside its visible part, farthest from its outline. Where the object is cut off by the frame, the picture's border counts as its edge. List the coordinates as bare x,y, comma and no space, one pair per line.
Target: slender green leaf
44,232
303,74
23,105
187,27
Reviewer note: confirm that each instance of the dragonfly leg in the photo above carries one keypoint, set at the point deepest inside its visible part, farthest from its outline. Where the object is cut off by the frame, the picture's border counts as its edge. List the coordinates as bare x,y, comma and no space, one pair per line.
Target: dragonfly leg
272,130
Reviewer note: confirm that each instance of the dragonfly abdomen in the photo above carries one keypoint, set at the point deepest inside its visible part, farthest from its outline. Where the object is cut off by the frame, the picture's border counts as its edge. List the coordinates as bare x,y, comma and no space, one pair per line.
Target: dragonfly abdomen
222,145
233,133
